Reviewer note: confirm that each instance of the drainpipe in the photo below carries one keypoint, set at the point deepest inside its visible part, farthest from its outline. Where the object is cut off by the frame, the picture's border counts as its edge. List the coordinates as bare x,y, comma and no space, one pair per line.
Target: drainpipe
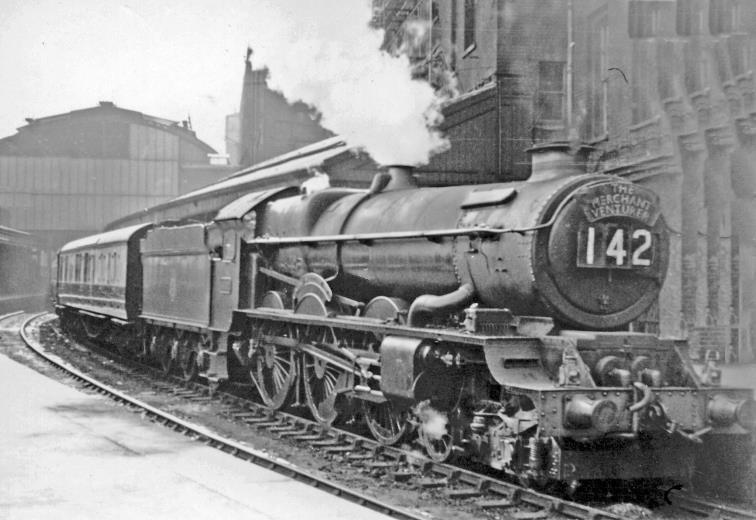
570,47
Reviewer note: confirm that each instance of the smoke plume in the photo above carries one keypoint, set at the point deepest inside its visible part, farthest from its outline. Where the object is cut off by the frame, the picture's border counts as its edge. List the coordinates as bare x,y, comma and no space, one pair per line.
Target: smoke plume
325,54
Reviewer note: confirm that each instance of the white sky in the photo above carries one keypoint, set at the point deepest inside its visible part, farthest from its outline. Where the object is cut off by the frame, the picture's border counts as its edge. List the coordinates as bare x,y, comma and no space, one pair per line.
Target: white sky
167,58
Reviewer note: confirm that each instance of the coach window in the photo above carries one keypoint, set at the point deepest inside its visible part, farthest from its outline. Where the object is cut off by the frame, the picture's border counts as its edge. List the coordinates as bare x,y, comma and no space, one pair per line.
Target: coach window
102,268
229,245
77,274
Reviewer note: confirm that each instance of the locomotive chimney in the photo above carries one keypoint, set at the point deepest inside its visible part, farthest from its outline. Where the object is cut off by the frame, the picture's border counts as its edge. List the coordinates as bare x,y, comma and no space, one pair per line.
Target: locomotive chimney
560,159
401,177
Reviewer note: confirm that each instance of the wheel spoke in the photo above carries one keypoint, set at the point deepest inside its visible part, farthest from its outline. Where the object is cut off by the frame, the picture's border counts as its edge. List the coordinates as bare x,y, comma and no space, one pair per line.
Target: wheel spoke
322,392
274,382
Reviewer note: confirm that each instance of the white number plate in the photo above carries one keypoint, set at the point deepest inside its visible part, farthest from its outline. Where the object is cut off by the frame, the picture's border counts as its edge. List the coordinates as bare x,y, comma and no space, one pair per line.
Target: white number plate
614,246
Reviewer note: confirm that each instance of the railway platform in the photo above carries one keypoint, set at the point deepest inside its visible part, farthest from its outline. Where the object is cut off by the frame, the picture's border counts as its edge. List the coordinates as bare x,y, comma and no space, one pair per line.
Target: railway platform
67,454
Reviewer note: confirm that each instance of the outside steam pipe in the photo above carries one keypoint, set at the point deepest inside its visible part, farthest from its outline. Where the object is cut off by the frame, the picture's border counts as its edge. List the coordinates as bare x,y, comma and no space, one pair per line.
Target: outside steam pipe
426,306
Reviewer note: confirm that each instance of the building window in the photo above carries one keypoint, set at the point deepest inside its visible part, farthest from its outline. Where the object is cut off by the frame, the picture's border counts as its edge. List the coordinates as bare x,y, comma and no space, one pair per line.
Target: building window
550,90
669,85
453,23
598,40
689,17
724,68
738,50
469,25
723,16
696,66
642,84
649,19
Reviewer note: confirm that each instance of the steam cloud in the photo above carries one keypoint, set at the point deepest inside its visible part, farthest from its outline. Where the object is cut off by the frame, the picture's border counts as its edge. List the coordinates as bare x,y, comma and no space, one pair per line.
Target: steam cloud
325,54
431,421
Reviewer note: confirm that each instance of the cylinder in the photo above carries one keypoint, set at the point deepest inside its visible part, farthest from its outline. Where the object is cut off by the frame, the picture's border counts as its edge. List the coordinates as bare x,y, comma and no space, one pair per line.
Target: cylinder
724,411
583,413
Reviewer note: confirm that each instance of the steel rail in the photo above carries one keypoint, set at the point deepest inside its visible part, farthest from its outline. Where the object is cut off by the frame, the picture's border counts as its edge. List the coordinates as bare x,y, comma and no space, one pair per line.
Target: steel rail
10,315
215,440
706,508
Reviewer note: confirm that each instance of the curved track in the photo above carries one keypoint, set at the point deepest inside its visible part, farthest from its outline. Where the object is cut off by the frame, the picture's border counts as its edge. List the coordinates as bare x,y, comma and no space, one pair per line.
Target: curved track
210,438
490,494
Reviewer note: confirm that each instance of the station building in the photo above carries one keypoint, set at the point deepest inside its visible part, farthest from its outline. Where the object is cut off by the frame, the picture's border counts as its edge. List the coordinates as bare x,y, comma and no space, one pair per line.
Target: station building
663,89
66,175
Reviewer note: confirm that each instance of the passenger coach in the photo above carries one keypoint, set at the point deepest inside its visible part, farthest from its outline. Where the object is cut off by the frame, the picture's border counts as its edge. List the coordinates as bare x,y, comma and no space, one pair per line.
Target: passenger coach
102,275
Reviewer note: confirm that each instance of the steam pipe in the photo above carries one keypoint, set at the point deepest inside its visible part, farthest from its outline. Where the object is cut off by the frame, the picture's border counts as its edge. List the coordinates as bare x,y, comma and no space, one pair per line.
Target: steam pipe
648,395
380,181
427,305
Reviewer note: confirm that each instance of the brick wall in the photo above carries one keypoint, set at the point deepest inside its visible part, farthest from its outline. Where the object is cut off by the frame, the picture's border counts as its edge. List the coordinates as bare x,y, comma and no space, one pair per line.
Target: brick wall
711,338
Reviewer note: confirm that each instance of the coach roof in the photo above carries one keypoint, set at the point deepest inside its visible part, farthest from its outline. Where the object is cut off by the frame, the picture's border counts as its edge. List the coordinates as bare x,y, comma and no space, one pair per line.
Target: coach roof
116,236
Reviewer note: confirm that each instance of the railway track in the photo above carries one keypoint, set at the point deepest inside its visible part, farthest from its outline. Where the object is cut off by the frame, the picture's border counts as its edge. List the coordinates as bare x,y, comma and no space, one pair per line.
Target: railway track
481,492
702,508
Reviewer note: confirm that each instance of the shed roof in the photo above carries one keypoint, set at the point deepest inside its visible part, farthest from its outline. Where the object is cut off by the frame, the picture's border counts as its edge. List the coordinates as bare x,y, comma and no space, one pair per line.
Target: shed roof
16,237
291,169
107,108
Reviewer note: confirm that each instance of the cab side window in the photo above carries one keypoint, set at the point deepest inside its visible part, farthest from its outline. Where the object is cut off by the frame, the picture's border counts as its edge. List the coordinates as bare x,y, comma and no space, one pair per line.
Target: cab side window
229,245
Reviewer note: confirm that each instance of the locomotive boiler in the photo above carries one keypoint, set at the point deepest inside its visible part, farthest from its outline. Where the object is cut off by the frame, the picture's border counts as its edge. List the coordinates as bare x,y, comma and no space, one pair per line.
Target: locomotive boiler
591,252
480,320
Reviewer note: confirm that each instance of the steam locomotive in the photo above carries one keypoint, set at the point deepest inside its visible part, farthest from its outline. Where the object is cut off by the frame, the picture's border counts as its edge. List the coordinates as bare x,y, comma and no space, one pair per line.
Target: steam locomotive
484,319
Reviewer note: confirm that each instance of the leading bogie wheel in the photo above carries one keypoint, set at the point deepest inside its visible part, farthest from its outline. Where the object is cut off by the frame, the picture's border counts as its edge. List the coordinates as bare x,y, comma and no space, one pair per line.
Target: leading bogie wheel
439,448
386,425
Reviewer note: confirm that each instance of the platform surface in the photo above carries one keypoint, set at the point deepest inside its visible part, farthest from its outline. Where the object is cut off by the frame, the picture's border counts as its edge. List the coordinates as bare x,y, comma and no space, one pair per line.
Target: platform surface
67,454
